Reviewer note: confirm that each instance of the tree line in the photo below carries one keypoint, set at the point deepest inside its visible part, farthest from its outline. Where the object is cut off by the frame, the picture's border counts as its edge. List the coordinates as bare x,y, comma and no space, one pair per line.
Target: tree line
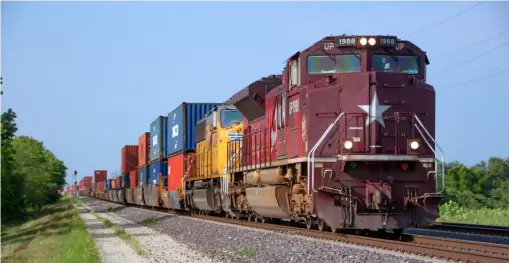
484,185
31,174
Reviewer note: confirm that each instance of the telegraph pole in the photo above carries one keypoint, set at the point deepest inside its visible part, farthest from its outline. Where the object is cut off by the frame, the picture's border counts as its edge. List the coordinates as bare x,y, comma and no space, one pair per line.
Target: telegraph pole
75,191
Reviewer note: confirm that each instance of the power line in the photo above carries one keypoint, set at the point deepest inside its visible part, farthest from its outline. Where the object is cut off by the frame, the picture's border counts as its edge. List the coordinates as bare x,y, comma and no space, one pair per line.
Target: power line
478,42
488,39
479,78
466,61
447,19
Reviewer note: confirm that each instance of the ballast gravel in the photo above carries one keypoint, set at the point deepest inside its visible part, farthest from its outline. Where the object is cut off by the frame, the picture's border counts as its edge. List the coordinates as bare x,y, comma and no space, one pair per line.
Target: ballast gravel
227,243
111,248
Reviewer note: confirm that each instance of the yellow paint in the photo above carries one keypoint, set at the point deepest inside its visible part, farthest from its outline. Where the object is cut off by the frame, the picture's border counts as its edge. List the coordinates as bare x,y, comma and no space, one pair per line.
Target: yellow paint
211,153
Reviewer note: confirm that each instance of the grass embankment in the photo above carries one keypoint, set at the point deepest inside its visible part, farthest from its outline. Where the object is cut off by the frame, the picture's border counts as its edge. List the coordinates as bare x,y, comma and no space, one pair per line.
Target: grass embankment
451,212
126,237
56,233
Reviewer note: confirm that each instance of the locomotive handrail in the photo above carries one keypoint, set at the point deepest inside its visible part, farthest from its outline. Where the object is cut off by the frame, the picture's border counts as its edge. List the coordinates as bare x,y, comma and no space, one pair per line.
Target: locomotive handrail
224,173
434,152
311,156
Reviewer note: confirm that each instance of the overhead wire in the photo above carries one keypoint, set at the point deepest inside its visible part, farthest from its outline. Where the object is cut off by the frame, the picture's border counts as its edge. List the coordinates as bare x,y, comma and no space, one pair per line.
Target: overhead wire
469,60
476,43
446,19
478,78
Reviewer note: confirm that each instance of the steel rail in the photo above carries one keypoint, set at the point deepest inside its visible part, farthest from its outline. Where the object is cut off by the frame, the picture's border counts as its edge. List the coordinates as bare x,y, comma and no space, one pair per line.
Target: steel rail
451,249
471,228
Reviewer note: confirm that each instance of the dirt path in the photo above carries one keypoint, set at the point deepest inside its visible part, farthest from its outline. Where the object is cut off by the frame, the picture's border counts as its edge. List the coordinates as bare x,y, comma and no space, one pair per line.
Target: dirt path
111,248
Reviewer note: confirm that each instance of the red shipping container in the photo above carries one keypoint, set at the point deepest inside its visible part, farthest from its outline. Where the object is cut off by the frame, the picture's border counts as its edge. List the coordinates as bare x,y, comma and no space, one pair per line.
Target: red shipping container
143,149
100,175
133,178
178,165
129,158
118,182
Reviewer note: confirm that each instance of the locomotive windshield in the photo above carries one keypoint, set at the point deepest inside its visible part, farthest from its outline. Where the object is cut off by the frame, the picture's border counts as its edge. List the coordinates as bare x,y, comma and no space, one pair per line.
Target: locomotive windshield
323,64
388,63
230,116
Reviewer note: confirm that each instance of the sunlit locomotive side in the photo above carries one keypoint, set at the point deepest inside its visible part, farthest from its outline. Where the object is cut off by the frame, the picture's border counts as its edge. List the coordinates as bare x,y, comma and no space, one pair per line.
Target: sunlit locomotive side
344,138
202,182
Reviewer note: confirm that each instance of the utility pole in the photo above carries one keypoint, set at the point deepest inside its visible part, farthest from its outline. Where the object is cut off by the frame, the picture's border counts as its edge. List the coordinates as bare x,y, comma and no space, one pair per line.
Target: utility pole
75,191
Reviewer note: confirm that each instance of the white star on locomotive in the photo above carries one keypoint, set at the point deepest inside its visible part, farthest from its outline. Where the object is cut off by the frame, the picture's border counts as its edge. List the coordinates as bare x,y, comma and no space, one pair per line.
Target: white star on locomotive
375,111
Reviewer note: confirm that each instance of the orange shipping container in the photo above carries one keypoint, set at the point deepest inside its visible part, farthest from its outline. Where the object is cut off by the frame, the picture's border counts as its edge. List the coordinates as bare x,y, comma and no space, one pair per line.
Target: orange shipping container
118,182
129,158
144,149
100,175
178,165
133,178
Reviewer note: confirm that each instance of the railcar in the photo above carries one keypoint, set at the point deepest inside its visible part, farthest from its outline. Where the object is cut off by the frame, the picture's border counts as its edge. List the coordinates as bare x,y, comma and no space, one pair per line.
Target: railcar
342,139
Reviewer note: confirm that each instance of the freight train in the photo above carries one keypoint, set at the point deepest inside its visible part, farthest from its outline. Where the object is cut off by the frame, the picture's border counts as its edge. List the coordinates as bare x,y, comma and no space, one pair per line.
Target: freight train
342,139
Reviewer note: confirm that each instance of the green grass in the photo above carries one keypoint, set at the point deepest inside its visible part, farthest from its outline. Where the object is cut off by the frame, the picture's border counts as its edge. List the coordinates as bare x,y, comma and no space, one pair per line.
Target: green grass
149,221
56,233
248,253
126,237
453,213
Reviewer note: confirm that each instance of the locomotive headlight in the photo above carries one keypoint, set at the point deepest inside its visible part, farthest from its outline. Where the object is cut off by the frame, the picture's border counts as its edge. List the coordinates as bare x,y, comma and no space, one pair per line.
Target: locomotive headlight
414,145
348,145
363,41
372,41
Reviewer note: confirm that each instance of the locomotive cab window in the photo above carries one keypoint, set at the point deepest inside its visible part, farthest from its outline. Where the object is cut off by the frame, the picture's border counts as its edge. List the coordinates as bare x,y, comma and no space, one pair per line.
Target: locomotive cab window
230,116
324,64
388,63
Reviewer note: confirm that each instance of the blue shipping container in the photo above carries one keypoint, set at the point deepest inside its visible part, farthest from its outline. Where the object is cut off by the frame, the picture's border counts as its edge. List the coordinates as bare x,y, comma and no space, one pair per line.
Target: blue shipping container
181,125
155,169
142,176
158,137
125,180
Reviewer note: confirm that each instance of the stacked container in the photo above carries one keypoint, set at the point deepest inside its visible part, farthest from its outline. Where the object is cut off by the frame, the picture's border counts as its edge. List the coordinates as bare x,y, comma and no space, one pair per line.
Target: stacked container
158,142
181,139
100,175
125,181
118,182
133,178
143,158
129,159
143,176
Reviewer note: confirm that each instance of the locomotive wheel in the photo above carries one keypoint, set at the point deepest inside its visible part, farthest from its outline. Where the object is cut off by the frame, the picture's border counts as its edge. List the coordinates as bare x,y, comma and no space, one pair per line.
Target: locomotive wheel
321,224
309,222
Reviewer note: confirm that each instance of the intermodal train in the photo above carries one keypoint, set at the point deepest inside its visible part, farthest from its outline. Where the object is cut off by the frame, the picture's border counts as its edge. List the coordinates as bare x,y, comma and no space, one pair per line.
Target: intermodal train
342,139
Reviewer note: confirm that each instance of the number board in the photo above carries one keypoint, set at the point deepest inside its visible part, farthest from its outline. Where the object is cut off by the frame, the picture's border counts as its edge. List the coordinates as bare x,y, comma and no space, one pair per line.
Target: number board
346,41
388,41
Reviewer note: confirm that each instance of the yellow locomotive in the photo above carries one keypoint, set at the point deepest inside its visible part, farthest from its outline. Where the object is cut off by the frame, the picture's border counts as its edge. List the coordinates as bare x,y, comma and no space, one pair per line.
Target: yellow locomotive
203,184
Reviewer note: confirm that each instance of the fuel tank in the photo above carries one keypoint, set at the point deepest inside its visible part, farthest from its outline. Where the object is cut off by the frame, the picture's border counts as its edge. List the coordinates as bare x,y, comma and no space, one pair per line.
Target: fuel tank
270,201
204,199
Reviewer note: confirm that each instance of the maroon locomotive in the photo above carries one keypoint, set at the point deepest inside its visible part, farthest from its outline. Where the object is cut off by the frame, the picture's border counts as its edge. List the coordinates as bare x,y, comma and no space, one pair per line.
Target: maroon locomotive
344,138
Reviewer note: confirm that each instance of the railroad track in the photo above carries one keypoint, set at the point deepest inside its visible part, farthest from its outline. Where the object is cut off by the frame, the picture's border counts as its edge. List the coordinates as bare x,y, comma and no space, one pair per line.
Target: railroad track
472,229
450,249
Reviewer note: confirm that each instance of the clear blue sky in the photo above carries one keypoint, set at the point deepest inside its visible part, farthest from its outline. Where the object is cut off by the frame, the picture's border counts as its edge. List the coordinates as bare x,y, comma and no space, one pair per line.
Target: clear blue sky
87,78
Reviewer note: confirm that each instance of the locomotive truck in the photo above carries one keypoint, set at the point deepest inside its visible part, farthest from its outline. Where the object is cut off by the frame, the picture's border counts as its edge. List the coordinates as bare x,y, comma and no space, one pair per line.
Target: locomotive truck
342,139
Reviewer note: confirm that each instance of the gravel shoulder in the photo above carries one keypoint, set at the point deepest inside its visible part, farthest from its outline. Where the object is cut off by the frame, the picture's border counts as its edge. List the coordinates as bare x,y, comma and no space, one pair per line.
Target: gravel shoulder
228,243
111,248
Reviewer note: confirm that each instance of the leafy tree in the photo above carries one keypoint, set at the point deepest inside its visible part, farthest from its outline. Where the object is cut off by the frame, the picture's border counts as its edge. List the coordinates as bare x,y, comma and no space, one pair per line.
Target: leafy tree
31,174
12,184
